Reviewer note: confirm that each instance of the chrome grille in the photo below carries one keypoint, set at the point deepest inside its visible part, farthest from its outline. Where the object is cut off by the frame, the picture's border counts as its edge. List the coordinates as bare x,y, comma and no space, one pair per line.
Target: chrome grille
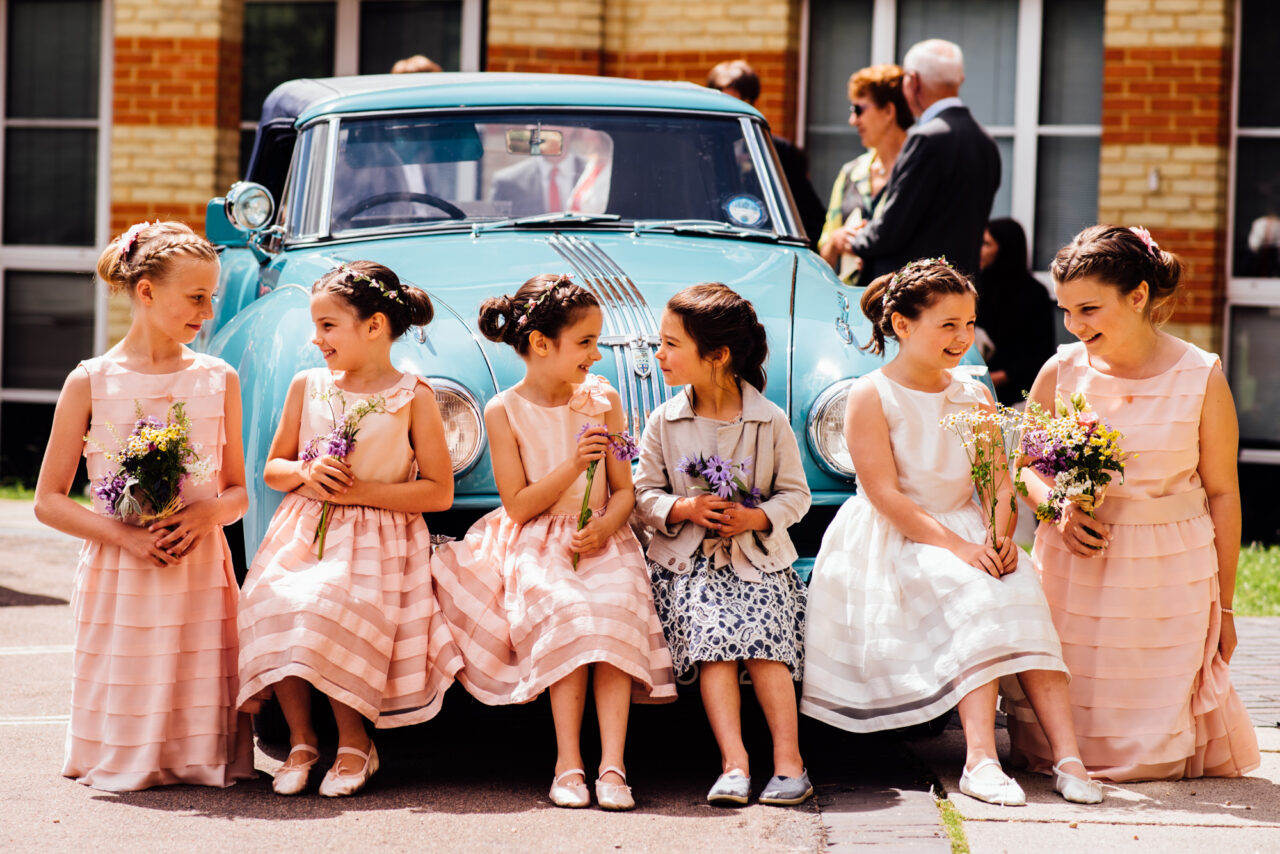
630,329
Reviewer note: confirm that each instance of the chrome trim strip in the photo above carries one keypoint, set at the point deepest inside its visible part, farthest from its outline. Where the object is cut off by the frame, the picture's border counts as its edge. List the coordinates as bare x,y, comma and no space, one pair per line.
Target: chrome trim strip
330,171
765,166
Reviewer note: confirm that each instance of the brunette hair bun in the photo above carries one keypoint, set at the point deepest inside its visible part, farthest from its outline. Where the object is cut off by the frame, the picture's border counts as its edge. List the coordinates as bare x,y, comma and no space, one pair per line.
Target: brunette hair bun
369,287
1123,258
715,316
909,292
546,303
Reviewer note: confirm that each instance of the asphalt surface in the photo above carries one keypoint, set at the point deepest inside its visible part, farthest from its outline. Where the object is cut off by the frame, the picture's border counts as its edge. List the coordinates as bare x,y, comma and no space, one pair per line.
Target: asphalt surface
474,779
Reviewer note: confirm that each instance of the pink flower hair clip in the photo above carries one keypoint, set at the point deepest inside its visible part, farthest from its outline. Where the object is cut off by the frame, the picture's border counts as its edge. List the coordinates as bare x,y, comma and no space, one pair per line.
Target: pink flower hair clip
1145,237
130,237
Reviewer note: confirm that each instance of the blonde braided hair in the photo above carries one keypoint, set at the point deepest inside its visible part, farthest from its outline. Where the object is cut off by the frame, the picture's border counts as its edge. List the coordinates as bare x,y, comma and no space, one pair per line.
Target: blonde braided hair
149,250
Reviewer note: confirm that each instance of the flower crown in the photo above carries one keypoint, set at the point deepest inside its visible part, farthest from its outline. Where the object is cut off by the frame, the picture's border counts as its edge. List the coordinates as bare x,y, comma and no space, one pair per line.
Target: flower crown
356,276
1145,237
523,314
130,237
896,279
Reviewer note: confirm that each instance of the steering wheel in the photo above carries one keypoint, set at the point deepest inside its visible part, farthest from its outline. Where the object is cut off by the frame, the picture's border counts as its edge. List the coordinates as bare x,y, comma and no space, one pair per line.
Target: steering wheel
365,204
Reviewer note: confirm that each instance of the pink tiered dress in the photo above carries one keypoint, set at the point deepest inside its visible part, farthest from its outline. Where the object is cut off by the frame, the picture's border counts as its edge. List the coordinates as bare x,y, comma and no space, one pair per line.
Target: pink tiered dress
1151,695
361,624
522,615
154,680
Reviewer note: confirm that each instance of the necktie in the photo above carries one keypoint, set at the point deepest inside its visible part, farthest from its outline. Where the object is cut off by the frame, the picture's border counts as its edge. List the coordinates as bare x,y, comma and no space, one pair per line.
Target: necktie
553,190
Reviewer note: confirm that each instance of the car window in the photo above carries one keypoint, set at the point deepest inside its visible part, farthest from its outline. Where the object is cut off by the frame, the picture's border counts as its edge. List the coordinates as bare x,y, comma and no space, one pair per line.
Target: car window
405,171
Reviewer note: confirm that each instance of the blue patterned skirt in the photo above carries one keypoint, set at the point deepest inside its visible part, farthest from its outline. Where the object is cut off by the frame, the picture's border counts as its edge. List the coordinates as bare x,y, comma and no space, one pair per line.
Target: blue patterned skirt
711,614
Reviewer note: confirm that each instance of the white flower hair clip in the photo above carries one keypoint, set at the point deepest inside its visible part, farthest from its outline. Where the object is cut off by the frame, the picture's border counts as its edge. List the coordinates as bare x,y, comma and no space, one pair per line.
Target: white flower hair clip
1145,237
130,237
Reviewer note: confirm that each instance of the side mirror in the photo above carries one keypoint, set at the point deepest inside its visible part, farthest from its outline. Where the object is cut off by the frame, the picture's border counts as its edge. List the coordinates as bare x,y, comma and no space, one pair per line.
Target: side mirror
218,230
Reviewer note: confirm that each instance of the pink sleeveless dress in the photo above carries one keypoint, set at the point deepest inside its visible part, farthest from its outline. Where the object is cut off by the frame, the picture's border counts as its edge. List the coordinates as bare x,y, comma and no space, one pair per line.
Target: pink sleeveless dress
1151,695
362,624
154,681
522,615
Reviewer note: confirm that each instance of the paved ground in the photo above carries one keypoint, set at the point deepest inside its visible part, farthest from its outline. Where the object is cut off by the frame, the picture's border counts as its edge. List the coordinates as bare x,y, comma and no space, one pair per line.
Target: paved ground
475,778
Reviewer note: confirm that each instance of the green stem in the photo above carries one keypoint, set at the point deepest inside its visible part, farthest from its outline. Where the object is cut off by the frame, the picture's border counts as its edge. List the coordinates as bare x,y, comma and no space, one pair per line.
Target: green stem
584,515
323,528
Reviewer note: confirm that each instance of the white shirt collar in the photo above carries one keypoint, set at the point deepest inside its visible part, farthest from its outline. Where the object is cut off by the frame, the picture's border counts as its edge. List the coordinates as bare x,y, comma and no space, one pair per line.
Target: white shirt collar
937,107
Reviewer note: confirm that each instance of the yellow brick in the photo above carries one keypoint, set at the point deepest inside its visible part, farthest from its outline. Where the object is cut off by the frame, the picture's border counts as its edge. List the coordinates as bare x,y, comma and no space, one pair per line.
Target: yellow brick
1136,186
1202,22
1190,219
1198,153
1137,7
1175,38
1152,22
1195,186
1126,38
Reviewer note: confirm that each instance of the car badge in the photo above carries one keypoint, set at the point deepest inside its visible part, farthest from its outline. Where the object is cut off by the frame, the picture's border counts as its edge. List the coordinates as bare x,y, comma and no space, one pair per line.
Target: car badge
641,359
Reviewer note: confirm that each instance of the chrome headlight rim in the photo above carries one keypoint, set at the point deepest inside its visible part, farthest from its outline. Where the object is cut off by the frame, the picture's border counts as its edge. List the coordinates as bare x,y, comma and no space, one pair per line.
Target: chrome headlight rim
821,404
240,198
464,467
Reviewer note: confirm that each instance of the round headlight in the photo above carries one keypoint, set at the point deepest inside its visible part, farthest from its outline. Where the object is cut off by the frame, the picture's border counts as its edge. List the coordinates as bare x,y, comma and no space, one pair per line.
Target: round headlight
463,424
826,430
249,206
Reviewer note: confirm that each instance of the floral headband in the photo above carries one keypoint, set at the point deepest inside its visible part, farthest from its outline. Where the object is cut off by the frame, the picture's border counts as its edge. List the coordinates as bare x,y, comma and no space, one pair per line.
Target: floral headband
523,314
357,276
1145,237
130,237
922,262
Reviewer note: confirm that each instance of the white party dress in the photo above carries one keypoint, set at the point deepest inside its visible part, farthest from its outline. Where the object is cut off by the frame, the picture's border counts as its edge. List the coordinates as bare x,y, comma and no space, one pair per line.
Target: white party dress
898,632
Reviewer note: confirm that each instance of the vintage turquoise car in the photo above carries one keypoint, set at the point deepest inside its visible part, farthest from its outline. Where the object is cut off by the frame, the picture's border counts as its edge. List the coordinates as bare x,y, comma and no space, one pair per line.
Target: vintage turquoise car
447,179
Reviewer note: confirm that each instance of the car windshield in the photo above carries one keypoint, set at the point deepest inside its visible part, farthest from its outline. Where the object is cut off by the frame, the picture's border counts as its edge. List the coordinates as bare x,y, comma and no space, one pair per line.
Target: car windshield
409,171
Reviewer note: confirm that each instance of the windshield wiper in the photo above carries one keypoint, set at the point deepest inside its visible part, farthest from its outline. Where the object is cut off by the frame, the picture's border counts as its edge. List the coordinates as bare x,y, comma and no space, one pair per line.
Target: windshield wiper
545,219
709,227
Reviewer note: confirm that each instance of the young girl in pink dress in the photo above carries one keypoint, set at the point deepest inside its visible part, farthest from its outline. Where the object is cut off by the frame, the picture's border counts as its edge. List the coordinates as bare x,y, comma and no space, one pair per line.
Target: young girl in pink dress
526,618
1141,595
154,683
346,604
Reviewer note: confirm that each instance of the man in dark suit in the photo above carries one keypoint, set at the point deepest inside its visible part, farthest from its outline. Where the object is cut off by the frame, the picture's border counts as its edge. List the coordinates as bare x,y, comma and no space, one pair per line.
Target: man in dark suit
542,184
939,194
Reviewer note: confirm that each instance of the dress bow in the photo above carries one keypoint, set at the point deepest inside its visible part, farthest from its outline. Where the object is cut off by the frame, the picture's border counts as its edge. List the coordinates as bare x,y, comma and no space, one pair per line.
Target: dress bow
591,397
726,553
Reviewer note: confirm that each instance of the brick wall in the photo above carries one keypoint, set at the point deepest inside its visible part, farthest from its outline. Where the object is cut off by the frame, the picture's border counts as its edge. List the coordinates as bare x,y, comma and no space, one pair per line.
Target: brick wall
653,40
1166,107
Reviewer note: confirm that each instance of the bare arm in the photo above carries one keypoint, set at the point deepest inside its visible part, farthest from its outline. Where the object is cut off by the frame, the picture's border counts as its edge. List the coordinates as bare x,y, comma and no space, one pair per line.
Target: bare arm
1219,443
432,490
54,507
521,499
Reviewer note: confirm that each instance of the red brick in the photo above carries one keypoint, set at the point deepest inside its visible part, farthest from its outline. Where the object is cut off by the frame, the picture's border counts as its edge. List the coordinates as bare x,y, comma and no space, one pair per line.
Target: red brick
1153,87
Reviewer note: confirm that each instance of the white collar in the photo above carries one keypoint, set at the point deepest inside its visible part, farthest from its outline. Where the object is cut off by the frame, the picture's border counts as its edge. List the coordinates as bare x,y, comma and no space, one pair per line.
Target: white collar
938,106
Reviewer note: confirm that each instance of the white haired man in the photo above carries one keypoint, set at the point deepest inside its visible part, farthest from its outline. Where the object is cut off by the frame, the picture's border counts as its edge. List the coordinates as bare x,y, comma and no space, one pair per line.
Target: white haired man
939,194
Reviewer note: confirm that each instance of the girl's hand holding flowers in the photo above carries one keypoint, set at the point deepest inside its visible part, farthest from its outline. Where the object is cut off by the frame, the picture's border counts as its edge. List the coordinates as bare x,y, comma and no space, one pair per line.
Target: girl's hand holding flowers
1083,535
144,545
590,538
983,556
326,476
593,442
183,531
707,510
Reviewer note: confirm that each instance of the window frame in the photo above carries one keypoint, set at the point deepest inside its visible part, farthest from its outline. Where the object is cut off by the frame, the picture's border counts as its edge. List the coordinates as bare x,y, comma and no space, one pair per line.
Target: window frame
63,259
1026,130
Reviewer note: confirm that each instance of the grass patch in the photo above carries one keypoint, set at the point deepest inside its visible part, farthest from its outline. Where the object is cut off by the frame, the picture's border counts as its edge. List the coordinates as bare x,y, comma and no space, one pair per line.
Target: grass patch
953,824
16,492
1258,582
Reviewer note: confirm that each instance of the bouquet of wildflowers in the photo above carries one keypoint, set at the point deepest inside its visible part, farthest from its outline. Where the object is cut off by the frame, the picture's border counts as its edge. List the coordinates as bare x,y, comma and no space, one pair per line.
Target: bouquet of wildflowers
338,442
991,437
722,476
1075,449
623,447
153,463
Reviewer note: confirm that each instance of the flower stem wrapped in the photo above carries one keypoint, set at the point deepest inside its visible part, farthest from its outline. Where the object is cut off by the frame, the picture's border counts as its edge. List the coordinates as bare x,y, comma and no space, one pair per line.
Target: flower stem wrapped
338,442
991,436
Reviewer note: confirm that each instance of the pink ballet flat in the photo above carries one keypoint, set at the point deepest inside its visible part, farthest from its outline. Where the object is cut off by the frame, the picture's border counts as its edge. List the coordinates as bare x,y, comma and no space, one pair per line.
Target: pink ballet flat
570,795
336,785
614,796
292,779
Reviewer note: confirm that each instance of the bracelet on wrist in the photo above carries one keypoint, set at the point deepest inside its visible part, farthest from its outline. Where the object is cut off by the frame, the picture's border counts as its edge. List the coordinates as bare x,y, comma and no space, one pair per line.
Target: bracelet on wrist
1227,611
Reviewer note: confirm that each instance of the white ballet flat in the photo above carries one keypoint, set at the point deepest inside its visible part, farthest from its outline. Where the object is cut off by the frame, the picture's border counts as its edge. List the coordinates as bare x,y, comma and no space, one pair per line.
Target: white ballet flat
572,796
612,796
336,785
292,779
993,786
1078,790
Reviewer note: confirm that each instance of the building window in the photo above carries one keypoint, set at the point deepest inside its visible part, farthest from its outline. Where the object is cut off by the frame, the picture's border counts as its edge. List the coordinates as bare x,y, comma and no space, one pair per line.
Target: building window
53,200
1033,78
1253,291
285,40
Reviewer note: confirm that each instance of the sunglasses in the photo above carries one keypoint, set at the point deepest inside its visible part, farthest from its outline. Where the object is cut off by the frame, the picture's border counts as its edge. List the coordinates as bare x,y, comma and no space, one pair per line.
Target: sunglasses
857,109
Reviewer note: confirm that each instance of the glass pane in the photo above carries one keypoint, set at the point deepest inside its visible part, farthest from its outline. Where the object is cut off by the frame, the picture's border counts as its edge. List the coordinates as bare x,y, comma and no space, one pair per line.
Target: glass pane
24,432
283,41
50,176
1259,47
987,32
1071,63
52,71
1066,193
395,29
1002,204
246,150
1255,352
1256,242
839,45
48,326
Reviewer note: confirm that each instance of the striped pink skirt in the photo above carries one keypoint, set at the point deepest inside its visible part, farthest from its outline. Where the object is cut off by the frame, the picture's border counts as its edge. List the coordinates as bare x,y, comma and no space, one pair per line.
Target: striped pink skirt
154,680
524,618
362,625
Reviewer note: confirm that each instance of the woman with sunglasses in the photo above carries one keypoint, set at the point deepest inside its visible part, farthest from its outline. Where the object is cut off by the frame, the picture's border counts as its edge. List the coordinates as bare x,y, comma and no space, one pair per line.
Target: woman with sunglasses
879,112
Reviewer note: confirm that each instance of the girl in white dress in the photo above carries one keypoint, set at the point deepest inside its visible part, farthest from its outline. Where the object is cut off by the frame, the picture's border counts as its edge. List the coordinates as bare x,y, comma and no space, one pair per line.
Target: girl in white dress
912,609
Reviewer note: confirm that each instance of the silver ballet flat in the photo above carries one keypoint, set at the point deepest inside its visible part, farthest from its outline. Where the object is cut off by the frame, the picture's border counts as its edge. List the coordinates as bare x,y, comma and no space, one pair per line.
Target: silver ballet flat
994,786
572,796
614,796
1078,790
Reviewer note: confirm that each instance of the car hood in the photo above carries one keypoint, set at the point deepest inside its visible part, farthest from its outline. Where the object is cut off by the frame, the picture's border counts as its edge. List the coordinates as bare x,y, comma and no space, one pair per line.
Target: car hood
633,276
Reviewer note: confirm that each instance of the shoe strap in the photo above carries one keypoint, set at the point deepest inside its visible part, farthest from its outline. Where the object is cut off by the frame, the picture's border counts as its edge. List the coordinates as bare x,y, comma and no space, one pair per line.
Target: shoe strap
353,752
615,769
1057,766
306,747
736,772
569,773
